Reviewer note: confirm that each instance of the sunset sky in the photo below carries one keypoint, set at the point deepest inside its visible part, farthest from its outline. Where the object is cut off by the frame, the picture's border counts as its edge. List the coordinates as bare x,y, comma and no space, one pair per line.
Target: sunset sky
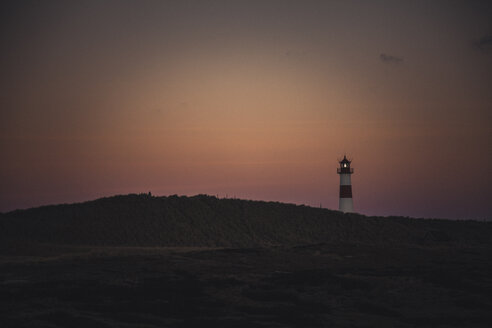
252,99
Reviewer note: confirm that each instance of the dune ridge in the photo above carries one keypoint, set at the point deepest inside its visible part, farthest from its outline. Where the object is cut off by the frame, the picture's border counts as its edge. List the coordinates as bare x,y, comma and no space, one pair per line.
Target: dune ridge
202,220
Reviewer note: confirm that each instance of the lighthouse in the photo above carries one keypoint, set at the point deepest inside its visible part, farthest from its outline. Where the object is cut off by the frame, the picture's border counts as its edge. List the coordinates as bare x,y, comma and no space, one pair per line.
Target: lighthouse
345,203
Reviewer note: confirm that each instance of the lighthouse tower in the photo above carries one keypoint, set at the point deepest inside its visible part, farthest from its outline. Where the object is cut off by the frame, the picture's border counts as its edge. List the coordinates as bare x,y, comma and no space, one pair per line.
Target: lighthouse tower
345,204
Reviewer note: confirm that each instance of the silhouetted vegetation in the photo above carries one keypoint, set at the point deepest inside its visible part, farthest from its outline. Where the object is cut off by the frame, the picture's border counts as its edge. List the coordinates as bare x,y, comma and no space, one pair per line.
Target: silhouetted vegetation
143,220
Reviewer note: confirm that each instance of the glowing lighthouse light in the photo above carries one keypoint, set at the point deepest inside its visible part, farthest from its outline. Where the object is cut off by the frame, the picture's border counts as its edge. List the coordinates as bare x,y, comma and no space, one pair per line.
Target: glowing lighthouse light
345,203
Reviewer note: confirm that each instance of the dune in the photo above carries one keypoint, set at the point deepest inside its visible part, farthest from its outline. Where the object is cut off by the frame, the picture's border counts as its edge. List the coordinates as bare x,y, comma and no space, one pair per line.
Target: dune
206,221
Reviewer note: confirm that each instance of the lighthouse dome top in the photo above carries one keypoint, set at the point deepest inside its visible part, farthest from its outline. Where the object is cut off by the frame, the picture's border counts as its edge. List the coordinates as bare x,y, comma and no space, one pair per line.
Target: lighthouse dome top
344,160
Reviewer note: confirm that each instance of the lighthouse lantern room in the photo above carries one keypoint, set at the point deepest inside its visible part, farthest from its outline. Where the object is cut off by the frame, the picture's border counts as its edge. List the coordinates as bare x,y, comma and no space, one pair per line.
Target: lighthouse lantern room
345,203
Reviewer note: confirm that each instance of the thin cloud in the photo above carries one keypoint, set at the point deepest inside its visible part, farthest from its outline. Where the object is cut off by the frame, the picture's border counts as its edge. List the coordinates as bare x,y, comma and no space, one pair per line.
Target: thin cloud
390,59
484,43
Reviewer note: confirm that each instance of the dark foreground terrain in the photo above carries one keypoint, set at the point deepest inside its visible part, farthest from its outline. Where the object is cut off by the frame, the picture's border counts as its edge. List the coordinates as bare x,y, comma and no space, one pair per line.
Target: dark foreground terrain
307,286
387,273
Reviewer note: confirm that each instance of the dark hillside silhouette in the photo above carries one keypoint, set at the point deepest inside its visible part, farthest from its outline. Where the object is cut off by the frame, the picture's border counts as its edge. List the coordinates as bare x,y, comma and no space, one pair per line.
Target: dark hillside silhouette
144,220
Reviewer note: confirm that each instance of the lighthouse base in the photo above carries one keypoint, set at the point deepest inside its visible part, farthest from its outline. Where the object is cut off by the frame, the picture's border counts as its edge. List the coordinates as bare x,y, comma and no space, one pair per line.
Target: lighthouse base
346,205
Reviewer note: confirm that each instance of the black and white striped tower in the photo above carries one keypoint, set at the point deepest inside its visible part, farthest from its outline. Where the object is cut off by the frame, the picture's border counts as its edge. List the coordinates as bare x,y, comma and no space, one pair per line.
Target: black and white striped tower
345,203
